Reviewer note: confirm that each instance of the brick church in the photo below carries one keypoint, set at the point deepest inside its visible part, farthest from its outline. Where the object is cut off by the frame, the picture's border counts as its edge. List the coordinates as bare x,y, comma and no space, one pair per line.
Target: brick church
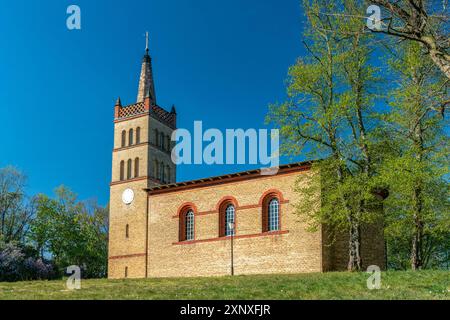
241,223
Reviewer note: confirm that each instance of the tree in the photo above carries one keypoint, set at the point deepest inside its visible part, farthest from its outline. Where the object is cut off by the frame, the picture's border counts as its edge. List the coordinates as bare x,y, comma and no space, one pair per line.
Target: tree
416,160
72,232
328,112
420,21
19,262
16,211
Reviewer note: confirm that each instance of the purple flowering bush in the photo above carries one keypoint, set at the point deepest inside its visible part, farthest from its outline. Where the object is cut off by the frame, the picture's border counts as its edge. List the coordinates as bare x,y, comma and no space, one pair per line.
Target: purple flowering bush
21,263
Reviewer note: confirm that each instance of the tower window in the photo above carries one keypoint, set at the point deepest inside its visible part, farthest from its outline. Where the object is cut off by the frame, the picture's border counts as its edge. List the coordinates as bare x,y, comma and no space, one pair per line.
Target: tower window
126,272
127,231
161,172
155,169
168,143
156,137
161,141
136,167
138,135
168,176
129,169
122,170
130,137
124,137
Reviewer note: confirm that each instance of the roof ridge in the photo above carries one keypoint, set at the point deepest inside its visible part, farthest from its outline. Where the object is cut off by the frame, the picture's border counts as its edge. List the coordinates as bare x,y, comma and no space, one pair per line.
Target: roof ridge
223,177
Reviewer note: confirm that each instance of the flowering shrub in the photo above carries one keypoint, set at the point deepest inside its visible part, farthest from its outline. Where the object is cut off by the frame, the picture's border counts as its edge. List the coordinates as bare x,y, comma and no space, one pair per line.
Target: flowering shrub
19,263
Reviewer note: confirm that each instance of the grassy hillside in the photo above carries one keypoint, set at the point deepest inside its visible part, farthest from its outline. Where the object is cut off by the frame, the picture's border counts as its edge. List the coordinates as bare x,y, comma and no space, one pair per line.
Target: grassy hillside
338,285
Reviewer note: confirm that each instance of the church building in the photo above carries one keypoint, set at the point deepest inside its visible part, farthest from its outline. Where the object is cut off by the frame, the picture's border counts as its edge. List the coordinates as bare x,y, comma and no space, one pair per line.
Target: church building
241,223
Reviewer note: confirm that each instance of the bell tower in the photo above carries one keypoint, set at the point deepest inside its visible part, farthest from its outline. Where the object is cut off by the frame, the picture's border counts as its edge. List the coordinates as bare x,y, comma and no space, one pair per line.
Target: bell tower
141,159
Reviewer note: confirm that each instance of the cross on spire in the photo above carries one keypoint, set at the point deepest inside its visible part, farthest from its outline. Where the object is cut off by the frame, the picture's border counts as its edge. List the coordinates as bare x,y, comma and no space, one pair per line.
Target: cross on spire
146,85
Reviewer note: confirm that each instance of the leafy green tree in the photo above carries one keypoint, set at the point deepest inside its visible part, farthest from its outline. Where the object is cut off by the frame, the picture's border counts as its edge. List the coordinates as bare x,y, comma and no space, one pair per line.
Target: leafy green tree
72,232
416,161
425,23
16,210
328,114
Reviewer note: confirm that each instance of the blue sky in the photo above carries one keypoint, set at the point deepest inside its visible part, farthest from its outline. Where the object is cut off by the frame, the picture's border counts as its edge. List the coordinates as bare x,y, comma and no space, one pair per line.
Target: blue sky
221,62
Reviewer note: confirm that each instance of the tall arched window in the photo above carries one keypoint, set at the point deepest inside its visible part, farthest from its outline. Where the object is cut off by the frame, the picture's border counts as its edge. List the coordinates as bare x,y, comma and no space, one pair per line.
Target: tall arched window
229,219
136,167
127,231
138,135
155,169
156,137
129,164
130,137
161,172
271,210
273,215
126,272
168,176
122,170
189,225
168,143
124,138
161,141
227,215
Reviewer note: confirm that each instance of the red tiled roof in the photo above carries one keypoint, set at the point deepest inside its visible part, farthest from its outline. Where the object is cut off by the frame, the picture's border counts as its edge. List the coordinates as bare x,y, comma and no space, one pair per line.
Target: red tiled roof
299,166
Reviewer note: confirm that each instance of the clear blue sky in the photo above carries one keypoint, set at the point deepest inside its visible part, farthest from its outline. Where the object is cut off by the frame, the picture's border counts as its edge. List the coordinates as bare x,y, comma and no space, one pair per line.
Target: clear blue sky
221,62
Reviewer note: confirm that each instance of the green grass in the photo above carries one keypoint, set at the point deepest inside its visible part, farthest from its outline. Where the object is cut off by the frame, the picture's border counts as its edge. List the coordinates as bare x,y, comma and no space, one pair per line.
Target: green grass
336,285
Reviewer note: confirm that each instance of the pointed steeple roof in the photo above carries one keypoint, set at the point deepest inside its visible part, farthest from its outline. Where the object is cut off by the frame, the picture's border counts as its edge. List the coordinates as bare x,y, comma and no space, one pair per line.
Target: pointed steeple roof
146,83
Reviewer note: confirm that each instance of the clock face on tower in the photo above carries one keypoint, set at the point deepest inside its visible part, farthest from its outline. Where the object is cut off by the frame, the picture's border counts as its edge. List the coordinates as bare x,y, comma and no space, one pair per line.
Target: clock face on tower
128,196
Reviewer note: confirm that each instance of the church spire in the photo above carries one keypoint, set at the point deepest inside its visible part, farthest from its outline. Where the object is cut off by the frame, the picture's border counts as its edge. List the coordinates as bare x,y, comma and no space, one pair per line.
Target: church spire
146,84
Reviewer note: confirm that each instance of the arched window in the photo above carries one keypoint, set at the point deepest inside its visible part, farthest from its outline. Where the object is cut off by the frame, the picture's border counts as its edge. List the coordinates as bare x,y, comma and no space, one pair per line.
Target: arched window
270,203
227,215
229,220
155,169
187,225
168,143
127,231
190,225
161,172
129,169
161,141
156,137
122,170
124,138
168,176
136,167
126,272
138,135
130,137
273,215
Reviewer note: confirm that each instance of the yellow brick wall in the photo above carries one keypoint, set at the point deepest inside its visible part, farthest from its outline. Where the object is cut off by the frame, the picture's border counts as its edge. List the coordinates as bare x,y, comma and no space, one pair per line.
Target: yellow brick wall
135,215
292,252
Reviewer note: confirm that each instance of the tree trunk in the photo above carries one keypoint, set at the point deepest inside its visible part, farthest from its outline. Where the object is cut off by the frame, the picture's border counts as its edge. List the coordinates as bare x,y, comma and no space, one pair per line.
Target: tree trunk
417,241
354,261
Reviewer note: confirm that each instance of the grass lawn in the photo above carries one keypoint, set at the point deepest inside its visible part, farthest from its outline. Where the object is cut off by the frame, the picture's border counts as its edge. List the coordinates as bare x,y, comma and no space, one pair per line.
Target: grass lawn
336,285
